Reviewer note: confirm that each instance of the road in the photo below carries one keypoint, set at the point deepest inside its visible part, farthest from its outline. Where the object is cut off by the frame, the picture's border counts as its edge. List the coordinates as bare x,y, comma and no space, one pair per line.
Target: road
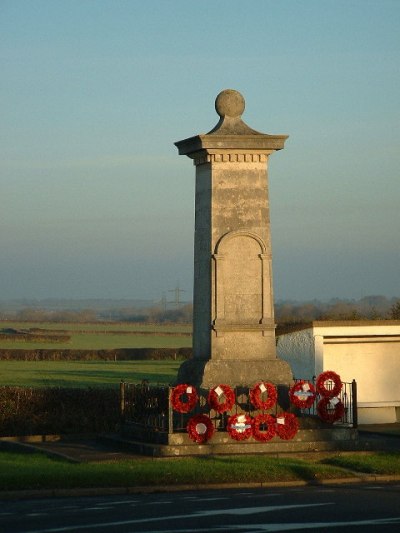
362,508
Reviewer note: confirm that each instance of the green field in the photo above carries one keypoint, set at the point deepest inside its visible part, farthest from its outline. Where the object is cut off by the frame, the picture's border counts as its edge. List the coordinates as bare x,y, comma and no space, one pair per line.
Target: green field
99,336
93,336
84,373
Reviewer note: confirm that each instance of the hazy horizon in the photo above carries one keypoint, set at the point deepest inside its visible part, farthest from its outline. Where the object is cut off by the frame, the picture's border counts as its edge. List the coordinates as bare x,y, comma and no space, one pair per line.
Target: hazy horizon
96,201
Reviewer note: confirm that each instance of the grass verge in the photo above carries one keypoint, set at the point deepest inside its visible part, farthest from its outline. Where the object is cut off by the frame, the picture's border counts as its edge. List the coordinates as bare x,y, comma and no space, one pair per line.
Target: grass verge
383,463
36,471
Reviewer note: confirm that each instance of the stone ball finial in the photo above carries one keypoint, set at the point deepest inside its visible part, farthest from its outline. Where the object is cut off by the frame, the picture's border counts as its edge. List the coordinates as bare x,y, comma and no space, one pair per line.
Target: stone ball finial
229,103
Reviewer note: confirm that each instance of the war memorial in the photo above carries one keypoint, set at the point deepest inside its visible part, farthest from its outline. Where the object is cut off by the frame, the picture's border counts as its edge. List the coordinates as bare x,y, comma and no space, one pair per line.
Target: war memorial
234,395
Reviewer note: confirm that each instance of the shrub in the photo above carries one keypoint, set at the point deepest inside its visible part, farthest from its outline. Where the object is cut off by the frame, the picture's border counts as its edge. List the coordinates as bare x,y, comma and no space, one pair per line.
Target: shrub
54,410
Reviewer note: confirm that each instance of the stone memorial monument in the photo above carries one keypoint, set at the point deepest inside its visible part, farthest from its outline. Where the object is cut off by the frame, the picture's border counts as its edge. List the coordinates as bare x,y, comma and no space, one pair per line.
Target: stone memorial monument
233,315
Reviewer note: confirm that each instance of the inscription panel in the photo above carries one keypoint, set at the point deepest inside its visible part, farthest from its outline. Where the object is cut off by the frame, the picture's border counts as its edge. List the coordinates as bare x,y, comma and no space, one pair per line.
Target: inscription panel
242,280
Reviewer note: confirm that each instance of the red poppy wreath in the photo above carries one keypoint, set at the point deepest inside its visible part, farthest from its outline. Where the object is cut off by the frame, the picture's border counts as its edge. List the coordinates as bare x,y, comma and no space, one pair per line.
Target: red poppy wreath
264,427
221,398
200,428
302,394
184,398
240,427
325,379
287,425
330,410
256,395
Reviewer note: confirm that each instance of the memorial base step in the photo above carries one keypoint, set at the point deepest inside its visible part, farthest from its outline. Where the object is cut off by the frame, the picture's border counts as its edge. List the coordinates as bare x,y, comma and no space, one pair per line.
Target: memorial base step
306,440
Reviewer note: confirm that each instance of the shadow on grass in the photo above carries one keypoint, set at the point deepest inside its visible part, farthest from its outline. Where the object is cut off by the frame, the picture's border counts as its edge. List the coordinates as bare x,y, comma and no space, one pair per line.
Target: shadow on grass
263,468
371,463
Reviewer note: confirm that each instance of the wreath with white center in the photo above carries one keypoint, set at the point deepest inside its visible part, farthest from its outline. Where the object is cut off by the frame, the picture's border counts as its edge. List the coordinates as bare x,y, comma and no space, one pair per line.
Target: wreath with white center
200,428
328,384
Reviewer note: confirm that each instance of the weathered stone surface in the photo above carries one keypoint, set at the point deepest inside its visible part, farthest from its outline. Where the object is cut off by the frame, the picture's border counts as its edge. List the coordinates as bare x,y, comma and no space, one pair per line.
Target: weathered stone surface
233,325
332,439
210,373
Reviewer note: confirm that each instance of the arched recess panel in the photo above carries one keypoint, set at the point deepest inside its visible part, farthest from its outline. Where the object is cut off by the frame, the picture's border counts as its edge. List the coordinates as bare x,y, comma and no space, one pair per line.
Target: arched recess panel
239,273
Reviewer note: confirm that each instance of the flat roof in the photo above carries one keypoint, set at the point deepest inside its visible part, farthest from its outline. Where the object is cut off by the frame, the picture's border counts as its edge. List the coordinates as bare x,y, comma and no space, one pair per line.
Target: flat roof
354,325
336,323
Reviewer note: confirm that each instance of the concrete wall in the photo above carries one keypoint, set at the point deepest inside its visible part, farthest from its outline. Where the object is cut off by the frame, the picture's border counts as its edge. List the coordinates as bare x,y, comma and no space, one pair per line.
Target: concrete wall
297,349
376,368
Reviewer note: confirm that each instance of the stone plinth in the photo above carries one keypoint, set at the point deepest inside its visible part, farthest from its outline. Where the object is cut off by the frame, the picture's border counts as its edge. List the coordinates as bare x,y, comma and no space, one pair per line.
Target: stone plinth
306,440
208,373
233,324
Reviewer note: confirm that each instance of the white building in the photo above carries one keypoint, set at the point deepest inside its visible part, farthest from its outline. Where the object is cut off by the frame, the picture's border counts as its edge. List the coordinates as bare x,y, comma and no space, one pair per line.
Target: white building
365,350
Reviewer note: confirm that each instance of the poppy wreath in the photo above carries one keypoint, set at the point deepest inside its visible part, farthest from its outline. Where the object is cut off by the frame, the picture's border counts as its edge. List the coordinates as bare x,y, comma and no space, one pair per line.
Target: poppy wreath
302,394
213,398
240,427
256,395
329,410
287,426
264,420
320,385
184,391
200,428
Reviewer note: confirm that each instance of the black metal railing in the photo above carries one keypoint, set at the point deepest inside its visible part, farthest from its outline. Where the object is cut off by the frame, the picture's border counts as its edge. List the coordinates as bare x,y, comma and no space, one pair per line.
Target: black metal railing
149,407
347,395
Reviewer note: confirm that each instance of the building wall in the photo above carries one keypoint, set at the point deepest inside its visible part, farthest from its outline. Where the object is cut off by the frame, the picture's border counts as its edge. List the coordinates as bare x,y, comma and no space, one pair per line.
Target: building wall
374,365
297,349
366,352
376,368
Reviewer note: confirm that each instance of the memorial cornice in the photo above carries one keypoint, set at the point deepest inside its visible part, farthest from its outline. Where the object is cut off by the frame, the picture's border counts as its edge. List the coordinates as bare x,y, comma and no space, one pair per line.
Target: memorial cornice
212,143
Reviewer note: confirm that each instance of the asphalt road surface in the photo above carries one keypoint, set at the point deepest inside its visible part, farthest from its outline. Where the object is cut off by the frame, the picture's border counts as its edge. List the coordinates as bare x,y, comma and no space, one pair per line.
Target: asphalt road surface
362,508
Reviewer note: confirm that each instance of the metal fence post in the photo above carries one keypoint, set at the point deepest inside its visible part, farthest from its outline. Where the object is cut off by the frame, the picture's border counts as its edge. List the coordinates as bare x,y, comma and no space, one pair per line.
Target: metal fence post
354,403
122,399
170,412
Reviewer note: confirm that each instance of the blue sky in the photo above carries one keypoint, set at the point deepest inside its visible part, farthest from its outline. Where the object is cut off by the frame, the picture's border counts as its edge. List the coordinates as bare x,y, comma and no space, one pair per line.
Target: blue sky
96,202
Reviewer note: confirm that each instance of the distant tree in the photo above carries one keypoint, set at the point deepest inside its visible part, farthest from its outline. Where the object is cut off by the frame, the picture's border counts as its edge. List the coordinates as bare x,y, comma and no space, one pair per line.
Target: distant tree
374,314
373,307
43,315
395,311
125,314
32,315
342,310
369,307
183,315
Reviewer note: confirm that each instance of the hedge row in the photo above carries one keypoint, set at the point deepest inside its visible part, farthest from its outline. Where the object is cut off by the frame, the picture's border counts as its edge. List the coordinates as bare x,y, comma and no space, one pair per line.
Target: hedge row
138,333
29,337
54,410
122,354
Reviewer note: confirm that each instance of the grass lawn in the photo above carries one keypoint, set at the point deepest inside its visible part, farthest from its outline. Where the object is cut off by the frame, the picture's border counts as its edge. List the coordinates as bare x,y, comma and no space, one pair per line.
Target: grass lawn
84,373
36,471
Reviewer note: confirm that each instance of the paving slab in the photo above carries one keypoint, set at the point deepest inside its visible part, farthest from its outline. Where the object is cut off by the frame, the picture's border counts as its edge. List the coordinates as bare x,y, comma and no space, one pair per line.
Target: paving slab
77,449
